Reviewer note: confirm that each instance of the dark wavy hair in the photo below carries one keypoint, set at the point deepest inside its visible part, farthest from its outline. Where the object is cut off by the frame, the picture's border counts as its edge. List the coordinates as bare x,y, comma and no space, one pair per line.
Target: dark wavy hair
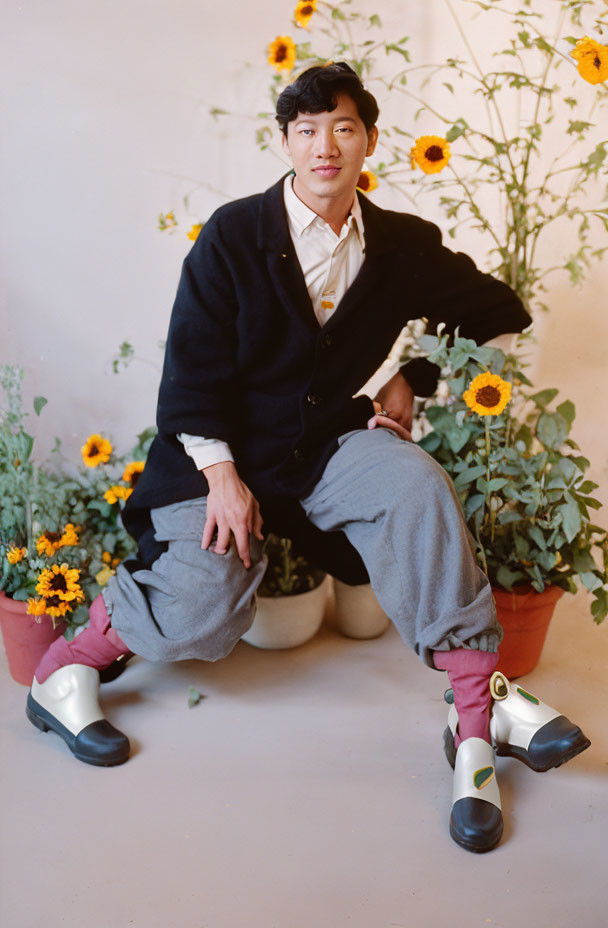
315,90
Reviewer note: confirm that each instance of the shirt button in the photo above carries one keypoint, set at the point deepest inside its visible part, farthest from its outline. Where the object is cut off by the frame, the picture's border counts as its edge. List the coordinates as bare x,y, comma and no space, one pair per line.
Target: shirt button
314,399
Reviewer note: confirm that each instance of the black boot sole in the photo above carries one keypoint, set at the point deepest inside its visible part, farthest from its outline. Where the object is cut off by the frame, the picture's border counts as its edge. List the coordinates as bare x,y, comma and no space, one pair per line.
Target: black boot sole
44,721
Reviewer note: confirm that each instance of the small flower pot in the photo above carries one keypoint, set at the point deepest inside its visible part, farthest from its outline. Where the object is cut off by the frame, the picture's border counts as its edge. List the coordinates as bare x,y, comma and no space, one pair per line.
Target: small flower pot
358,614
25,639
287,621
525,616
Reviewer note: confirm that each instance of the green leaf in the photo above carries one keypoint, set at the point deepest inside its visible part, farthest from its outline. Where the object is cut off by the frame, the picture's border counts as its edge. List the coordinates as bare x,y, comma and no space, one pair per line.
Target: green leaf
552,429
599,607
544,397
458,129
571,519
507,578
374,20
194,697
590,580
39,404
567,410
395,48
468,476
537,537
472,504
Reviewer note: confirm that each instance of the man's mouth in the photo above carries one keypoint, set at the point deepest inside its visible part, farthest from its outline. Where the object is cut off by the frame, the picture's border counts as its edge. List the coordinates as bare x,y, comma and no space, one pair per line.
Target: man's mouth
327,171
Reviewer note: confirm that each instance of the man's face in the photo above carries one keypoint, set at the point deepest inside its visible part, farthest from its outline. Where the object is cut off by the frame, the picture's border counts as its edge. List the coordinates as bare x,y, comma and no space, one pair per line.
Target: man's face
327,151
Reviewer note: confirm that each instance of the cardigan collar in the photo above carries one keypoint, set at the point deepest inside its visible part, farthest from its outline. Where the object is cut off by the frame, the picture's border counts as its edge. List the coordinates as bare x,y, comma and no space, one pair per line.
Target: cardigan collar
273,228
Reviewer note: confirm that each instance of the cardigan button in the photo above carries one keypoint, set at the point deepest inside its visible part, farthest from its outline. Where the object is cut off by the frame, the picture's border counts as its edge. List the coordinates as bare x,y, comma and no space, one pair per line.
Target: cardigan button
298,454
326,340
313,399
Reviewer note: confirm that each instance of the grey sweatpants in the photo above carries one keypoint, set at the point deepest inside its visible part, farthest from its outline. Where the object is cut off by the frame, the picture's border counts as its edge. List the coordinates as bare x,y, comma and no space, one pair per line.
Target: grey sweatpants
398,508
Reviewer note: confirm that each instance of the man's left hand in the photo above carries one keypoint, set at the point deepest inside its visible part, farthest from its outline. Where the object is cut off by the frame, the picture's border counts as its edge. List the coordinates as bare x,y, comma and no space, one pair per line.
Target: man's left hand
397,398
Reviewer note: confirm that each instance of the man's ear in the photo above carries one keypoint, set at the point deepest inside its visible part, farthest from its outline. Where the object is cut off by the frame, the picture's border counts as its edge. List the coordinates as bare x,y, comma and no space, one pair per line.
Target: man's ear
372,138
285,145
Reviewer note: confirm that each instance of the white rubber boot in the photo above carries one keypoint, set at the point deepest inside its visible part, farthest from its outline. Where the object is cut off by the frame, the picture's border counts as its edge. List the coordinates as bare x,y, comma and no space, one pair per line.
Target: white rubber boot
476,818
67,704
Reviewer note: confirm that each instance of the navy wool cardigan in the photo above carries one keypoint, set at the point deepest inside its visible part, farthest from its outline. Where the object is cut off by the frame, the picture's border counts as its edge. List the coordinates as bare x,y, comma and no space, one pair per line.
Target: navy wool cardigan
247,362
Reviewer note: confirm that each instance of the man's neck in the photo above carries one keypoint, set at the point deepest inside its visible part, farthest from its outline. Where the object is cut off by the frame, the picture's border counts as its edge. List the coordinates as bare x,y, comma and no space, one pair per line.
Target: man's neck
334,210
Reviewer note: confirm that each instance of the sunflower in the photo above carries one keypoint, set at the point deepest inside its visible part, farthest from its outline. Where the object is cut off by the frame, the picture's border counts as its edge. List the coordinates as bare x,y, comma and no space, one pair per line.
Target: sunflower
367,181
282,53
36,606
115,493
14,555
194,231
60,581
592,60
304,11
431,153
133,472
96,450
49,542
488,394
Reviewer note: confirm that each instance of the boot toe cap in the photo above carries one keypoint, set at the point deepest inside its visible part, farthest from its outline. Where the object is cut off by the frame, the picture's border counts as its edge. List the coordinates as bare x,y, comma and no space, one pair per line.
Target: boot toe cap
555,743
101,744
476,824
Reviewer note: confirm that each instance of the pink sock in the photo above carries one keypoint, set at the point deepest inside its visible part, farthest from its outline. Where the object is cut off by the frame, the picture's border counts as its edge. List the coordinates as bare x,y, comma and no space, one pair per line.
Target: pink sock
469,674
97,646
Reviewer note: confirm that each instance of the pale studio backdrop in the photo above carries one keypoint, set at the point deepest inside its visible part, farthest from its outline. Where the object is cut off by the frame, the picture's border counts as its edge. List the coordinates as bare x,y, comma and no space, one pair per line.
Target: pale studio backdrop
107,125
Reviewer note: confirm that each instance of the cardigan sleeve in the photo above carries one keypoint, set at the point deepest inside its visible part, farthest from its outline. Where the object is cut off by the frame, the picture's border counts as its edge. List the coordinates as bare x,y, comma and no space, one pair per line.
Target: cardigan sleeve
198,392
457,293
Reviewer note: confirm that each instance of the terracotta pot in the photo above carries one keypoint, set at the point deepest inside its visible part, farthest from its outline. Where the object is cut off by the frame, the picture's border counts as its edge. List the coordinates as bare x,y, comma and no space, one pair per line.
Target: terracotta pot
25,639
524,615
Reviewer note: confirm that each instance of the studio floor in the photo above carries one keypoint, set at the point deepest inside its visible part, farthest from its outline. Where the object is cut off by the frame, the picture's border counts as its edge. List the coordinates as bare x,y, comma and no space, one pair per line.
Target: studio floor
307,789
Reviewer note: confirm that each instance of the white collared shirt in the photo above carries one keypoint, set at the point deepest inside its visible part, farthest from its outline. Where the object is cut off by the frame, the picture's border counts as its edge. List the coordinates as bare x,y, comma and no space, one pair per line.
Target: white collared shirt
329,263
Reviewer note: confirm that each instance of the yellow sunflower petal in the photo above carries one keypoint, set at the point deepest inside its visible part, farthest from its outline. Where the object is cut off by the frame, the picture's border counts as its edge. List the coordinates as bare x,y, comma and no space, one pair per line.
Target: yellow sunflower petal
194,232
431,153
132,472
304,11
36,607
14,555
282,53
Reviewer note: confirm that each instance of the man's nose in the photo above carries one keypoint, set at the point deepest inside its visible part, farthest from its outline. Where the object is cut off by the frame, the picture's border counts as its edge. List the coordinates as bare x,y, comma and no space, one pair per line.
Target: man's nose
326,144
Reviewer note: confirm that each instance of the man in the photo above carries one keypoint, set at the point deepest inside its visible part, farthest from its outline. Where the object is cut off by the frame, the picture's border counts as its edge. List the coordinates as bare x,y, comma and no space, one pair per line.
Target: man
287,304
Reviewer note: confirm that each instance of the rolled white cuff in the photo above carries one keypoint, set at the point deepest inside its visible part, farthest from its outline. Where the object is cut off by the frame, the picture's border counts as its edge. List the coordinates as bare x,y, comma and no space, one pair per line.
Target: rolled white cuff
205,451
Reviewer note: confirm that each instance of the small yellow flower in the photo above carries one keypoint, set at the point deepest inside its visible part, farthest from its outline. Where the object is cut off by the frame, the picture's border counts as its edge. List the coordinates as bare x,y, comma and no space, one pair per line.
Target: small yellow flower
106,557
104,575
96,450
36,606
431,153
488,394
115,493
133,472
592,60
60,581
50,542
114,562
194,231
14,555
282,53
367,181
304,11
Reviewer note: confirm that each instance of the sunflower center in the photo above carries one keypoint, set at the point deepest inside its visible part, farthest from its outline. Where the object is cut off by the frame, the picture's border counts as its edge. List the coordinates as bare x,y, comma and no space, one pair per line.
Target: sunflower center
307,10
596,62
58,583
488,397
53,601
134,478
281,53
93,450
53,537
434,153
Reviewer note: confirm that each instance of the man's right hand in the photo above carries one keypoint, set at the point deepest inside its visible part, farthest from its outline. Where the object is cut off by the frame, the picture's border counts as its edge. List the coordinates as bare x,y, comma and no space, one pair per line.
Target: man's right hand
231,508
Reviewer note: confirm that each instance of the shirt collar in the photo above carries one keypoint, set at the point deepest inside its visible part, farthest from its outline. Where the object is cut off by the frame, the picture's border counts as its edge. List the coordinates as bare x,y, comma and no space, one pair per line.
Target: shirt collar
301,216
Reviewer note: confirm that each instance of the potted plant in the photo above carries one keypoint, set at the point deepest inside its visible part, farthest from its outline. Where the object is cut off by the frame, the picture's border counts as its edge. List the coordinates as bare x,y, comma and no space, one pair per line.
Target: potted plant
521,481
60,532
290,599
357,612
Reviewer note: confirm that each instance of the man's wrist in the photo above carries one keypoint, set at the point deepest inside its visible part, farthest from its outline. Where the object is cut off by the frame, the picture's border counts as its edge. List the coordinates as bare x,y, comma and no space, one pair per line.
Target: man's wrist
216,473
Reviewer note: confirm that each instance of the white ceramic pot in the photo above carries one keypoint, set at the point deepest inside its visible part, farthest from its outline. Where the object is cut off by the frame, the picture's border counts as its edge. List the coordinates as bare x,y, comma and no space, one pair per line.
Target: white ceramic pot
357,612
287,621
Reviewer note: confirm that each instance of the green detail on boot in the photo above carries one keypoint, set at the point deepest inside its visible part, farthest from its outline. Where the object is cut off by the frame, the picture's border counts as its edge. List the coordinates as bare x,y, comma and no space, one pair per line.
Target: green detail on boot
449,696
527,696
482,777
